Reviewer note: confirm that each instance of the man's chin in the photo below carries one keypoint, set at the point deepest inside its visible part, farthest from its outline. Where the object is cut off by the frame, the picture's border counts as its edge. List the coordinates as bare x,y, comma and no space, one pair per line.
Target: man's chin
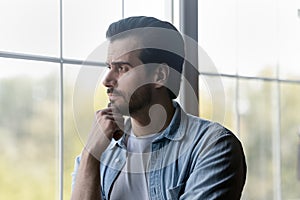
121,108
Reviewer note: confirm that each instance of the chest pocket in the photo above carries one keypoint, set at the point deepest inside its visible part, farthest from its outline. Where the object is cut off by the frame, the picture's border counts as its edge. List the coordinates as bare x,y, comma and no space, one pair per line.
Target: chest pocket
175,192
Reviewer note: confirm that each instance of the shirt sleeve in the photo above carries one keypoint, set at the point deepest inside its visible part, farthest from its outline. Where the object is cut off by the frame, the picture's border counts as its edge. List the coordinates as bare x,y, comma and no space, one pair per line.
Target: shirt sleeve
219,172
74,173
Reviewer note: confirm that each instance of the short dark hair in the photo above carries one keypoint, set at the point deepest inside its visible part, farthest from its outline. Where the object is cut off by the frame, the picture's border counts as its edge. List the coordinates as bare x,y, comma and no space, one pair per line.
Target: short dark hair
168,47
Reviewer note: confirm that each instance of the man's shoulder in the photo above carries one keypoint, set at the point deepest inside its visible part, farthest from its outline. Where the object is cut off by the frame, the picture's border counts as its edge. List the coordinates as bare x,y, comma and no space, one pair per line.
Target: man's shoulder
202,124
203,130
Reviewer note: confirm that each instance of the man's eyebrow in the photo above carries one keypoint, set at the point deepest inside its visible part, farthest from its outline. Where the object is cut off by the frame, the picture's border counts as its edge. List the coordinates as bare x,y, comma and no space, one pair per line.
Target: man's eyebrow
119,63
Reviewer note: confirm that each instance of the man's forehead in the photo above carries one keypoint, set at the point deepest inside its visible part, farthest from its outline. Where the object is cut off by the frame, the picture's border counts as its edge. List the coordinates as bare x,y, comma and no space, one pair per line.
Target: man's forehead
123,46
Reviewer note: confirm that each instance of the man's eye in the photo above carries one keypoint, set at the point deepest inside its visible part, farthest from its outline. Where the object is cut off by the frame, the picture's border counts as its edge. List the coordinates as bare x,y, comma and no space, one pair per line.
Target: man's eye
122,68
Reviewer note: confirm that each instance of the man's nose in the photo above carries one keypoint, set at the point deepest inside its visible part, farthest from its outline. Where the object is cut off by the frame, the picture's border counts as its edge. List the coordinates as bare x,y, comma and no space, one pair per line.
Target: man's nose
110,79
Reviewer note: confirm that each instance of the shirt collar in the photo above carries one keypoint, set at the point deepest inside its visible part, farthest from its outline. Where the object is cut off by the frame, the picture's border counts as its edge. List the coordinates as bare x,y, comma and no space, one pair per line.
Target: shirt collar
172,132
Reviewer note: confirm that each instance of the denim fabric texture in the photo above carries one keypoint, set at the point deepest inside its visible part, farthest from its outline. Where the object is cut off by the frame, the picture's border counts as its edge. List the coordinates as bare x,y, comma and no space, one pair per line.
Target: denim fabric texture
192,159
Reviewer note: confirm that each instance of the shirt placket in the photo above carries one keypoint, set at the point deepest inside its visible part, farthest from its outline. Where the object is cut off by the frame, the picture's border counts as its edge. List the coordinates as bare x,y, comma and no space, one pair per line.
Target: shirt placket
114,168
155,192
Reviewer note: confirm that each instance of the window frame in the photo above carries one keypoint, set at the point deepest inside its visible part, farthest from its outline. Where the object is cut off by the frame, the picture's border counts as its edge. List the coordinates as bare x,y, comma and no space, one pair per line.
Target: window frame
194,23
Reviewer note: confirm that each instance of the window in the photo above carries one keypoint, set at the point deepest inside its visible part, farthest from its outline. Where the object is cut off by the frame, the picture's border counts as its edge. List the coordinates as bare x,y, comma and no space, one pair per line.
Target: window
252,44
29,129
30,26
43,46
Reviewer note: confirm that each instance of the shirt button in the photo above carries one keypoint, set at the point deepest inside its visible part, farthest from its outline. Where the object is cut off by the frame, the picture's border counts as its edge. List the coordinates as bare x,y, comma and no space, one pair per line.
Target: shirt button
117,160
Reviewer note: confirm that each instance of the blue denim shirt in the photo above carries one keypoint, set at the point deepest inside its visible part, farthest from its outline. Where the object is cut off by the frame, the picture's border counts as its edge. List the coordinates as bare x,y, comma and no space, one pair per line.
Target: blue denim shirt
191,159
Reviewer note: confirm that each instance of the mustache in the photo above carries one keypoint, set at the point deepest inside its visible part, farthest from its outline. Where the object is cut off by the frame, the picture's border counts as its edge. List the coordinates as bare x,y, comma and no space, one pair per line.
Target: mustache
113,91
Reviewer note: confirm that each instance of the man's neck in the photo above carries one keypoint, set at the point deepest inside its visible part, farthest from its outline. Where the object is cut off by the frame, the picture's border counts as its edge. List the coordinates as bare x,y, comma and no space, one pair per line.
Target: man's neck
153,118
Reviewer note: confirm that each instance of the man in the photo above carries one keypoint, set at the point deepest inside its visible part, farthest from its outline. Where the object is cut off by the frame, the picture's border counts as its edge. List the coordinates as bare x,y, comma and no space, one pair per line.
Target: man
161,152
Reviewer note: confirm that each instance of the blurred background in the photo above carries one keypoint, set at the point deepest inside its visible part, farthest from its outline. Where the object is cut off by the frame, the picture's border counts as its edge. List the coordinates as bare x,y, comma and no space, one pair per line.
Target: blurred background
254,45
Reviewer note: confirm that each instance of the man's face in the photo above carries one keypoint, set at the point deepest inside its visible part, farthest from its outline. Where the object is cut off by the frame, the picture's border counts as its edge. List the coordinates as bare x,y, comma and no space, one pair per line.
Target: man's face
126,73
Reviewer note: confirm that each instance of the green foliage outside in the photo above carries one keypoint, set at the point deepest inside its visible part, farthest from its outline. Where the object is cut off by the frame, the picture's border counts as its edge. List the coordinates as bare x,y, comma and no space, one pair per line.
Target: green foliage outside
29,136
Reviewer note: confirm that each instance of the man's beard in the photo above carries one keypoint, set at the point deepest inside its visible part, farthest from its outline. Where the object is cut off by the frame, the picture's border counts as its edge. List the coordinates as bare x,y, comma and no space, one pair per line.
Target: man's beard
140,99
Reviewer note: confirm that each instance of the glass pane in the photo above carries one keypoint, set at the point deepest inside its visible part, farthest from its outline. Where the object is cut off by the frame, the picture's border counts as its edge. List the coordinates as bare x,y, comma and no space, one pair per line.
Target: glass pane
230,119
176,13
257,110
154,8
256,41
30,26
289,40
290,141
29,130
218,105
241,35
72,144
217,33
85,24
81,101
205,99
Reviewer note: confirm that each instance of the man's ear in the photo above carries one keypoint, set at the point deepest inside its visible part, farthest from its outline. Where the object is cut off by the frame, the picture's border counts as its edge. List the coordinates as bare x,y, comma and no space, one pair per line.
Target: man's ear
161,75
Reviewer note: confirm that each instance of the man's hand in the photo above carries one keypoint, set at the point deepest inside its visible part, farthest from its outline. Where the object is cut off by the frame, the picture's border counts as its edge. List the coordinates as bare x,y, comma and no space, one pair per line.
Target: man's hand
108,124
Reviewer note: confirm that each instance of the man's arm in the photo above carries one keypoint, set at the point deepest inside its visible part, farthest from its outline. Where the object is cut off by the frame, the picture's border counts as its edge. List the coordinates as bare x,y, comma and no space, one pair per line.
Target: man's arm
87,185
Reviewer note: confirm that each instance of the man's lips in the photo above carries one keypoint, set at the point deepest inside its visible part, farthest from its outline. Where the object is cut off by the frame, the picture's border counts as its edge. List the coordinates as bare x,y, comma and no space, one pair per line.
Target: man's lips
113,96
